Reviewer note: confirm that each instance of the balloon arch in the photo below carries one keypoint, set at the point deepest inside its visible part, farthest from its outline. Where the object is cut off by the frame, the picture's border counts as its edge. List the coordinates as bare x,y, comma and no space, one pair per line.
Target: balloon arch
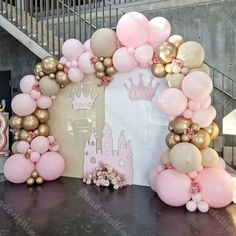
190,173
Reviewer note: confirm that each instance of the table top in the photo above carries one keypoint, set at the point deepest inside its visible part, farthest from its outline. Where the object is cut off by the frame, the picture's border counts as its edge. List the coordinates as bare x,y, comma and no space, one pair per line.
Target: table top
69,207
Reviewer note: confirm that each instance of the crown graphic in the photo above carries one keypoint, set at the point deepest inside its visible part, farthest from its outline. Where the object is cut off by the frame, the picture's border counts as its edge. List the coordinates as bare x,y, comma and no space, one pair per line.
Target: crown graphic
82,102
141,92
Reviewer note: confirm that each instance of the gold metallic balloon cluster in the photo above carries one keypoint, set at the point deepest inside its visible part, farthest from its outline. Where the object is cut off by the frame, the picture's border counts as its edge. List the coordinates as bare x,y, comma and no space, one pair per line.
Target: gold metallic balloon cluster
52,68
28,127
104,67
183,130
35,178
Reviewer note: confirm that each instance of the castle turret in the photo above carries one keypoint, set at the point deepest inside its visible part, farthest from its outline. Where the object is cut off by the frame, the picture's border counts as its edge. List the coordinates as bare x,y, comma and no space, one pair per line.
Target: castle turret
107,144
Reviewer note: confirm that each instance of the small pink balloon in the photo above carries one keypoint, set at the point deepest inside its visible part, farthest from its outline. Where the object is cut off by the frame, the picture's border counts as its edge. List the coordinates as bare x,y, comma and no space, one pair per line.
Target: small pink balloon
191,206
50,166
193,174
144,53
35,94
143,65
34,156
217,187
27,83
173,187
22,147
75,75
124,61
23,105
85,64
74,63
160,30
72,49
188,114
197,85
44,102
87,47
68,64
40,144
172,102
153,178
194,105
133,29
203,207
221,164
17,169
205,102
63,60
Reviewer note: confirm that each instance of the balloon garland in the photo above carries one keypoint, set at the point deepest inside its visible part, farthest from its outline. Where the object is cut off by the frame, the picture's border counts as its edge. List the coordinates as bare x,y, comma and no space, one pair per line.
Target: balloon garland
190,173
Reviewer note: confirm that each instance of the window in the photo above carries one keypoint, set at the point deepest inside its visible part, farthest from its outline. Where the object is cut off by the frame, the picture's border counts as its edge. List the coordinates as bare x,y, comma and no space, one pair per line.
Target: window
106,135
121,145
93,160
92,143
107,145
122,163
107,153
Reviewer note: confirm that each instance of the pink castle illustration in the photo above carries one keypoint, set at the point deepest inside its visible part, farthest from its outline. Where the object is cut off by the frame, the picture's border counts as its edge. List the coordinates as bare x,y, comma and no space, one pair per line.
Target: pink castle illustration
120,160
141,92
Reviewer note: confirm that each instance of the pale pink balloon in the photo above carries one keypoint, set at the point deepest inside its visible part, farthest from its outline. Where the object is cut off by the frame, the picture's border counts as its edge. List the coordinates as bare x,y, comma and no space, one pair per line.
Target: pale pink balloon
193,174
51,165
87,47
204,116
194,105
133,29
160,30
40,144
144,53
17,169
221,163
23,105
217,187
72,49
203,207
212,111
197,85
34,156
75,74
153,178
172,102
205,102
27,83
85,64
188,114
35,94
68,64
191,206
173,187
123,60
22,147
63,60
74,63
44,102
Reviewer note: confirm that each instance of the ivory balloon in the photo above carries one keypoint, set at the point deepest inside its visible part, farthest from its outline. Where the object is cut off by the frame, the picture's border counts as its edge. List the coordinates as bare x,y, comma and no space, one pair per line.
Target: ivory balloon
15,122
42,115
166,52
210,157
30,122
49,65
165,157
185,157
48,86
175,80
158,70
177,40
201,139
203,67
191,53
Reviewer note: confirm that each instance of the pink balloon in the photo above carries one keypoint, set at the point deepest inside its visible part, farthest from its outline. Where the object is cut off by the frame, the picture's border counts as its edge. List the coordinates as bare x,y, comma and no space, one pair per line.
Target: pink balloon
123,60
87,47
34,156
17,169
40,144
22,147
221,163
50,166
188,114
35,94
75,74
63,60
85,63
133,29
172,102
27,83
44,102
194,105
74,63
23,105
204,116
160,30
197,85
205,102
173,187
217,187
153,179
212,111
72,49
144,53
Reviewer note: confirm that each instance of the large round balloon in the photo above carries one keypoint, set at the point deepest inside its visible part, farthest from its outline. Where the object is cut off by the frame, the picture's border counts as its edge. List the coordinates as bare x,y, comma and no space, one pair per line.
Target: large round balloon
72,49
85,64
27,83
17,169
217,187
185,157
191,53
133,29
44,102
23,105
103,42
173,187
50,166
197,85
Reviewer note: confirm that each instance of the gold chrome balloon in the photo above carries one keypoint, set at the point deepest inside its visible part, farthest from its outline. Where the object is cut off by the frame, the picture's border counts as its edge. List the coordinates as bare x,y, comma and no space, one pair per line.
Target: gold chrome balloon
30,181
42,115
15,122
23,134
49,65
39,180
158,70
110,70
44,130
37,69
107,62
195,127
99,67
34,174
185,138
36,132
60,66
180,125
166,52
170,140
168,68
52,76
100,75
177,40
28,139
62,78
201,139
30,122
212,130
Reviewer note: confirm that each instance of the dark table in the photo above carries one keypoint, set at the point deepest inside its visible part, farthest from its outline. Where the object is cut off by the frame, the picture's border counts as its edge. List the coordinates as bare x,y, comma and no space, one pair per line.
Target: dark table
69,207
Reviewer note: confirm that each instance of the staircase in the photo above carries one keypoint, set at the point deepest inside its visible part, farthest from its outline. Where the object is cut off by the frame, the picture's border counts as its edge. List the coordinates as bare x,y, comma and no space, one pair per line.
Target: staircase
43,25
